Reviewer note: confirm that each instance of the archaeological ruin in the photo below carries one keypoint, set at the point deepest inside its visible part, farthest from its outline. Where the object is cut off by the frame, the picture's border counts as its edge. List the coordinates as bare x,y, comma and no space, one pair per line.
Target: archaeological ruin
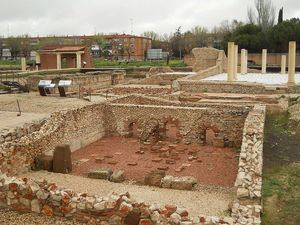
179,132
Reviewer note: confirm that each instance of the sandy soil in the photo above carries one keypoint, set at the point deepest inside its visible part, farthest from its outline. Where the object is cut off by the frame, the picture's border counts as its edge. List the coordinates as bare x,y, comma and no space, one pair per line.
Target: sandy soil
10,120
14,218
34,107
206,200
213,166
33,102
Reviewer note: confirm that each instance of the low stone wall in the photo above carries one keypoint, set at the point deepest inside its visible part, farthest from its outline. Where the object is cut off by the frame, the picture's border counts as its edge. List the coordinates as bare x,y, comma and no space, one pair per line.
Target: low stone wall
230,87
248,208
192,122
25,195
88,81
139,89
77,127
160,79
19,132
46,198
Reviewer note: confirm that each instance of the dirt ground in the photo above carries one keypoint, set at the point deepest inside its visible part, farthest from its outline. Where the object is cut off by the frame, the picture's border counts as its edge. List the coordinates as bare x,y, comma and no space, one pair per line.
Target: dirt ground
34,107
33,102
209,165
203,201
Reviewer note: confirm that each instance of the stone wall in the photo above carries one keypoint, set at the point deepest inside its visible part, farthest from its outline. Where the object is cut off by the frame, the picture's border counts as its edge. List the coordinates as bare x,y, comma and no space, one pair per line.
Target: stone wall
88,81
272,59
77,127
96,120
160,79
206,58
231,87
45,198
192,122
247,208
139,89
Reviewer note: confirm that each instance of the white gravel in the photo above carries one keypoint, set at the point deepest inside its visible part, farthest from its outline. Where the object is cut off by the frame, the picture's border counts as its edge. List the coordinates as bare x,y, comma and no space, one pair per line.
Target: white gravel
204,201
270,78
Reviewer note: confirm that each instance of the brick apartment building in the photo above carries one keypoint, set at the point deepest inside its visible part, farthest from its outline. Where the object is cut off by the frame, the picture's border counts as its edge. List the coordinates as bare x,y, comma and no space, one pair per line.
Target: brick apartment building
116,46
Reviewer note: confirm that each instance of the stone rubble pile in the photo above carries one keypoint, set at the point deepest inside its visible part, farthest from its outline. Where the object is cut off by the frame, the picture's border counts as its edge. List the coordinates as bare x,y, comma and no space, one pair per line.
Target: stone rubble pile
249,178
45,198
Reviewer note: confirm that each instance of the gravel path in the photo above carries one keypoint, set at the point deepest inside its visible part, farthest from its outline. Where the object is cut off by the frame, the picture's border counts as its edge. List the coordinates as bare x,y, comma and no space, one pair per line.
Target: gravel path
269,79
204,201
14,218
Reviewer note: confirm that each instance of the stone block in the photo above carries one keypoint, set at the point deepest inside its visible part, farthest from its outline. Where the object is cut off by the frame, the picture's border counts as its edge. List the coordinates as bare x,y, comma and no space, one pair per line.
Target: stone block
154,177
117,176
62,162
166,182
218,142
184,183
43,162
101,173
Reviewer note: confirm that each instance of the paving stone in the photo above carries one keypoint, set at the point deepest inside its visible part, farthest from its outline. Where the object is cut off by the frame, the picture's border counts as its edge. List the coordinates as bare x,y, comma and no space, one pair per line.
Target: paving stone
101,173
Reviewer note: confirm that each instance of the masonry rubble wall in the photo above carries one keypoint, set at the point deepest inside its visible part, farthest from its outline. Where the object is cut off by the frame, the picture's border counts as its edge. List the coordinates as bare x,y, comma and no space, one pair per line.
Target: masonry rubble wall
158,79
82,126
88,81
247,209
197,86
208,62
193,121
77,127
24,195
139,89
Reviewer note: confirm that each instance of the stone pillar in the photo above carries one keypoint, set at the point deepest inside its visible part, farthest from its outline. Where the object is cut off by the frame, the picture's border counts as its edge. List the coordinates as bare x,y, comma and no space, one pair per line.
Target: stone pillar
23,63
244,60
58,61
283,64
236,60
78,60
292,62
264,61
230,62
37,60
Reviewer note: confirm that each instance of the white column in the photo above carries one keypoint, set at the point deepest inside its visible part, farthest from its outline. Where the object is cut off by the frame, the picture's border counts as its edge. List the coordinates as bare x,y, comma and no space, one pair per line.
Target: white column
78,60
264,61
283,64
236,60
23,63
243,61
246,61
292,62
37,60
230,61
58,61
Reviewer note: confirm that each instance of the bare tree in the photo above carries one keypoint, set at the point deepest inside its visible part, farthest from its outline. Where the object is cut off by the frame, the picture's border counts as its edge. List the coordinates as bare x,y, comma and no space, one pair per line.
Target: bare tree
264,15
251,15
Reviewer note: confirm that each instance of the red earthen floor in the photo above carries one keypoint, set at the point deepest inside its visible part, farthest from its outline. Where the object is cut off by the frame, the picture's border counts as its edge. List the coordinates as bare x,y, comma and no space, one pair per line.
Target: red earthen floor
210,165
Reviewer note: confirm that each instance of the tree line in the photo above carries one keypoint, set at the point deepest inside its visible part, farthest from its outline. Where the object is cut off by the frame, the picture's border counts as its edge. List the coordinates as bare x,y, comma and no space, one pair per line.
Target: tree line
262,30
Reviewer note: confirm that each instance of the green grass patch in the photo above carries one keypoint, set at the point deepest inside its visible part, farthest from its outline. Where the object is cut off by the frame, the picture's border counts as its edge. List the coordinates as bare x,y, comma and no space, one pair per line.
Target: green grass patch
281,195
281,175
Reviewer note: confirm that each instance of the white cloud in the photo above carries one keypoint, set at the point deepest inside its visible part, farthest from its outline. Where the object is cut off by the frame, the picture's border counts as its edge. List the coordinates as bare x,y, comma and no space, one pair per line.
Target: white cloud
62,17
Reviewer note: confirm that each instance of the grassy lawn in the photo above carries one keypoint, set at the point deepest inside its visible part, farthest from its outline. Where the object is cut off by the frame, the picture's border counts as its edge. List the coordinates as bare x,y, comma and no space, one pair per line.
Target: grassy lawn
10,64
106,63
281,176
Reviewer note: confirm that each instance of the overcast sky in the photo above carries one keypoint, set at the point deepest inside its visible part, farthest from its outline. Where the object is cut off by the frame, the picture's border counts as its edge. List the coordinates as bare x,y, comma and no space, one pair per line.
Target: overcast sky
70,17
